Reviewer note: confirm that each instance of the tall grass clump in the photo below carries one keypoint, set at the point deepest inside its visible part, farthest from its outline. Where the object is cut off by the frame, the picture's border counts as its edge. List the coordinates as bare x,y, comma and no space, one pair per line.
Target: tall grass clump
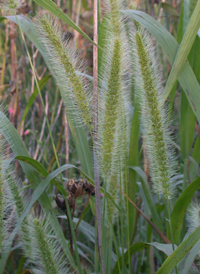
64,64
156,132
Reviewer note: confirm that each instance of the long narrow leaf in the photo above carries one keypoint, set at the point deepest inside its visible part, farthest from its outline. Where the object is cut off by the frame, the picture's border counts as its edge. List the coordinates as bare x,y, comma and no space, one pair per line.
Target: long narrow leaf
180,252
184,49
133,249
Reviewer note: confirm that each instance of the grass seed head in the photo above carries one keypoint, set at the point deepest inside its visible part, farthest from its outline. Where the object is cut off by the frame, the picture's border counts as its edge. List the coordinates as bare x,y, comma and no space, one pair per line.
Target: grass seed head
155,126
64,63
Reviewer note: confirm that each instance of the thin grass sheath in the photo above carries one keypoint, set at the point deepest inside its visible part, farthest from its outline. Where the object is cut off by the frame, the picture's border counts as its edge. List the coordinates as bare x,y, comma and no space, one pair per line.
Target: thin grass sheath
157,137
63,64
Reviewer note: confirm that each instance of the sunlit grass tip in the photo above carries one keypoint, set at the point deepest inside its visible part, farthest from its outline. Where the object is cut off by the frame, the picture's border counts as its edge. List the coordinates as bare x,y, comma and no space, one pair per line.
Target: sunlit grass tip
65,64
156,130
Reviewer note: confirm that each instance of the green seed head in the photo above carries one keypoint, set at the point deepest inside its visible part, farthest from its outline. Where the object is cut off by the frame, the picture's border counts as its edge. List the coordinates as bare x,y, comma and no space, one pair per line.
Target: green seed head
155,126
44,248
111,107
64,67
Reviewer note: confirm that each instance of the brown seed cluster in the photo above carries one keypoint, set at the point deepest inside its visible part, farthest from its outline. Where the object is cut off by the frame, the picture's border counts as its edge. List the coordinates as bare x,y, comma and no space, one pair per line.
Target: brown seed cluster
75,189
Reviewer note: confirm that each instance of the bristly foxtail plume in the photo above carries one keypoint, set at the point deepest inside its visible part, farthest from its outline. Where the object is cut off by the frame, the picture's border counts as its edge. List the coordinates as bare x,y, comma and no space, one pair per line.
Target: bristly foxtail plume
11,204
63,64
18,198
113,111
6,202
47,250
156,133
193,216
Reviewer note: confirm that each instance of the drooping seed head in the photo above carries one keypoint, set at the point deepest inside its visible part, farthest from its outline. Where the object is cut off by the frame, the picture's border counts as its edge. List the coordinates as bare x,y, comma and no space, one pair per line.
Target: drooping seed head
63,64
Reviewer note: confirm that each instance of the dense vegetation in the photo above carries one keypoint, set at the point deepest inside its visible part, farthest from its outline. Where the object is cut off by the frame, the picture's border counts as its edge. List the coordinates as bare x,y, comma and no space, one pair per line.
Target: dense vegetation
99,157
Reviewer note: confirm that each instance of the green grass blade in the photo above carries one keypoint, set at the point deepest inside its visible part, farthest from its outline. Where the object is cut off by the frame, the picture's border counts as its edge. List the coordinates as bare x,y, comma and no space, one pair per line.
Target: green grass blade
18,147
179,210
148,196
170,46
184,49
187,127
41,83
133,249
180,252
2,18
185,265
194,168
52,7
39,167
188,120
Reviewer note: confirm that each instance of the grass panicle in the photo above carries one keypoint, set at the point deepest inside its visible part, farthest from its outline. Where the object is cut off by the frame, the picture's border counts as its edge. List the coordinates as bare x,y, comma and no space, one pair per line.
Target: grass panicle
7,205
193,217
47,249
19,199
114,115
64,64
113,7
156,132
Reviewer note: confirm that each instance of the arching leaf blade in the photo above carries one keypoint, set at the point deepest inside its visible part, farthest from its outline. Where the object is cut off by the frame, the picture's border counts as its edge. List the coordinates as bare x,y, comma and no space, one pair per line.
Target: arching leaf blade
179,253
